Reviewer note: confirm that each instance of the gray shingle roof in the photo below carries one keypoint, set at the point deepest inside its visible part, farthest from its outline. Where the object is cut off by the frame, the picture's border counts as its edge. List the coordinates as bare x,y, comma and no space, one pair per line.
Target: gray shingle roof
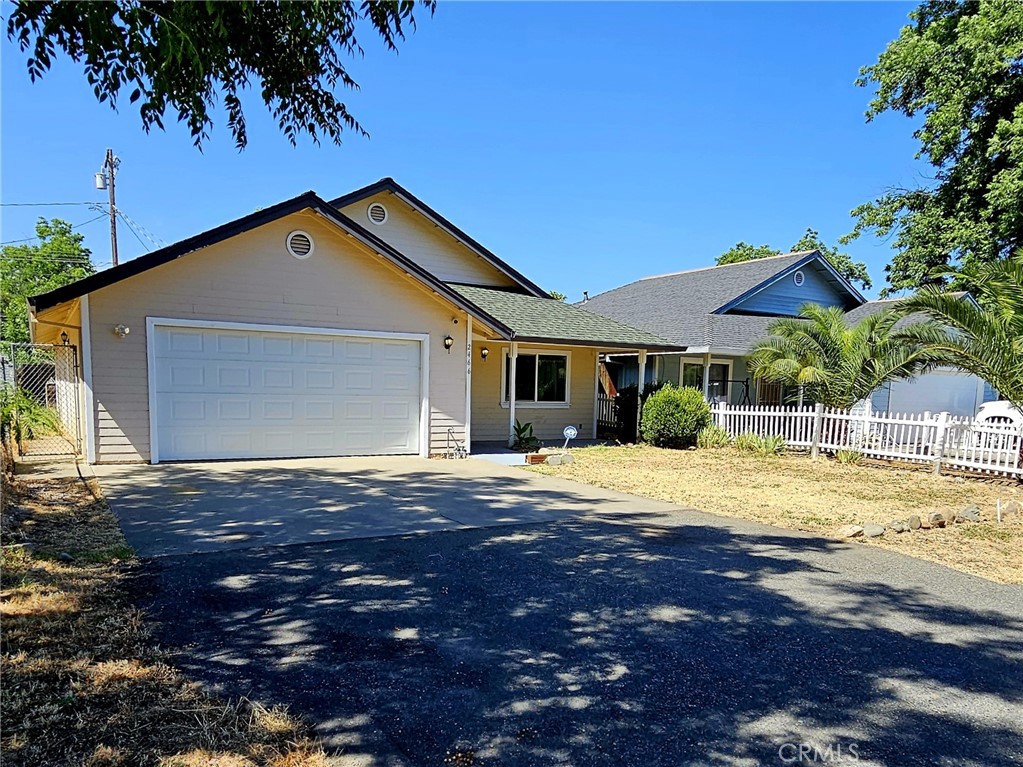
545,319
873,307
679,306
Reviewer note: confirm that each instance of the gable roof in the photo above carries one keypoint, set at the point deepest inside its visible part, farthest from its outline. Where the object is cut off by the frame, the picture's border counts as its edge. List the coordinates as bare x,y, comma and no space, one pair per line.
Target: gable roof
306,201
689,307
389,185
873,307
547,319
512,316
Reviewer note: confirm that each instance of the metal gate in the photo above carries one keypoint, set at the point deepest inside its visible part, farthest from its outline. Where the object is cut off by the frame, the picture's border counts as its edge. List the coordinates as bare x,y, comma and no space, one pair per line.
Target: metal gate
42,391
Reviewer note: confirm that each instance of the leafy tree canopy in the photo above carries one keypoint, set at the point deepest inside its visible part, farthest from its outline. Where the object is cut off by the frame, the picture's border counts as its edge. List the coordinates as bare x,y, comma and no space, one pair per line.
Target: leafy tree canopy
186,59
854,271
27,270
958,69
557,295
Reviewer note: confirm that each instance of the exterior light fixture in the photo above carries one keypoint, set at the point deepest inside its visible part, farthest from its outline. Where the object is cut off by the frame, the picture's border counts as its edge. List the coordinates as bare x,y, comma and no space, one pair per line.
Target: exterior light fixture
121,330
64,337
448,343
484,353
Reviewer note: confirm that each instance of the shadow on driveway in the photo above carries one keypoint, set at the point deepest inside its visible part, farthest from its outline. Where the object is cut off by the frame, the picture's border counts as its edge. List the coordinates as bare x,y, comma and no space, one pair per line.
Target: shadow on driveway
591,641
196,508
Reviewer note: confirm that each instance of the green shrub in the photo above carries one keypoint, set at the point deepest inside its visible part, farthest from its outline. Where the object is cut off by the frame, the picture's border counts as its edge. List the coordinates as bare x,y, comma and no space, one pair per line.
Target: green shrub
772,445
673,417
761,446
849,456
22,418
713,436
747,442
525,442
626,400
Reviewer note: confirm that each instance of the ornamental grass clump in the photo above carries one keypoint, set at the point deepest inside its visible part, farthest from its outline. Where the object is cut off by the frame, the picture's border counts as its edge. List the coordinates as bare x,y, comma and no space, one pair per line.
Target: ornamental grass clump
673,417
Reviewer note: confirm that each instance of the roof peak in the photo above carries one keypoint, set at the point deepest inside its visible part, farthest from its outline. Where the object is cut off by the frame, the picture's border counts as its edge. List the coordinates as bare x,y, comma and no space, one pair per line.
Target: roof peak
725,266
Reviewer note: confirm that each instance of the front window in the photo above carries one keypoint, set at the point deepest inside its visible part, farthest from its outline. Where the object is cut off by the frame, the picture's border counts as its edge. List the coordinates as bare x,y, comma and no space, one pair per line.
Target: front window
538,378
692,375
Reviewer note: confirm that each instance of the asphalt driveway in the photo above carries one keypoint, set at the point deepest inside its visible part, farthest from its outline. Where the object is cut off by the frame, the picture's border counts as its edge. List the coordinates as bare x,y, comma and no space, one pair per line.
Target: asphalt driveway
610,636
180,508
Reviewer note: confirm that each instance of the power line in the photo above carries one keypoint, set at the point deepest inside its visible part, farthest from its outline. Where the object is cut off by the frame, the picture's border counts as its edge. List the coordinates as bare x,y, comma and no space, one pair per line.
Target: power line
73,226
157,241
131,229
39,204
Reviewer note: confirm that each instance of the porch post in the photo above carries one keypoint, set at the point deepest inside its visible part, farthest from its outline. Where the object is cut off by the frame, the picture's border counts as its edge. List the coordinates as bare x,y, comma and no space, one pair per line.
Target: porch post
596,391
468,383
639,393
513,356
706,376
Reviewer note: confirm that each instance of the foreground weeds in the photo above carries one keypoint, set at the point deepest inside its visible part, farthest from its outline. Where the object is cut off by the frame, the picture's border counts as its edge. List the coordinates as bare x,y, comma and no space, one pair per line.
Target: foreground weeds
83,683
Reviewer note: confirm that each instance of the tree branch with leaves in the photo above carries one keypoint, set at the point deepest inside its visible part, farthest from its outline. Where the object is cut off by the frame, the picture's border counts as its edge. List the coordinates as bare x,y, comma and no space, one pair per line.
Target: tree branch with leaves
184,60
957,69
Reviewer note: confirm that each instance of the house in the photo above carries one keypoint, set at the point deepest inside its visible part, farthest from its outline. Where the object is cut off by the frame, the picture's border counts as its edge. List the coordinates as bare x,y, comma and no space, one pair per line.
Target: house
945,389
367,324
720,312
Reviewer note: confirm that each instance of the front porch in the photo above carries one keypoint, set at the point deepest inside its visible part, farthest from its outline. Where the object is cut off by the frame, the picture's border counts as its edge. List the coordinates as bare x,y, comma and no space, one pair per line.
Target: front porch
543,367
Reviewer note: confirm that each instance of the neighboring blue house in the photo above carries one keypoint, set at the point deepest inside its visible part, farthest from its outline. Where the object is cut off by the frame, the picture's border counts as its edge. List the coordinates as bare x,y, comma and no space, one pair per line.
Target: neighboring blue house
720,312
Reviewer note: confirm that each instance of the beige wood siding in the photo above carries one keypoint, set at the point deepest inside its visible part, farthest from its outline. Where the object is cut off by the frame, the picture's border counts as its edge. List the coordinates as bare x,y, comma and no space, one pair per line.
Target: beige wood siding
426,244
252,278
490,419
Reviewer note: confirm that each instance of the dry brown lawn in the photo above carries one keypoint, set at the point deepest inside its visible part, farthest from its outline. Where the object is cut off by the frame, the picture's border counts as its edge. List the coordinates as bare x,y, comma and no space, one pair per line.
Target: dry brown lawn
83,683
818,496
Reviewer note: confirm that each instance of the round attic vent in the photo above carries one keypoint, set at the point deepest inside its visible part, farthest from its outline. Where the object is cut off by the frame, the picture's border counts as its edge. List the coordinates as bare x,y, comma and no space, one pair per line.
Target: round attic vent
377,213
300,244
798,278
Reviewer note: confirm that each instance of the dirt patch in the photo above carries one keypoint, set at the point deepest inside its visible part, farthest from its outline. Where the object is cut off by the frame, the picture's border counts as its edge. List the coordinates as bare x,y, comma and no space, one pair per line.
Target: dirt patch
818,496
84,683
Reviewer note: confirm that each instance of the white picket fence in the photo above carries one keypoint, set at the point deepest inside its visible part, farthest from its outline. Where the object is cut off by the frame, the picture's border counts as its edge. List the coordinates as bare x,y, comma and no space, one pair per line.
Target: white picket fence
939,439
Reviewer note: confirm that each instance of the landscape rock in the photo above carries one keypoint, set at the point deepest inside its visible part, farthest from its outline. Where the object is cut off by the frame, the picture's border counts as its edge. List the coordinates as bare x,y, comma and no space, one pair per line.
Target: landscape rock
873,531
849,531
937,519
913,522
969,514
567,458
898,526
1012,509
950,518
65,557
554,459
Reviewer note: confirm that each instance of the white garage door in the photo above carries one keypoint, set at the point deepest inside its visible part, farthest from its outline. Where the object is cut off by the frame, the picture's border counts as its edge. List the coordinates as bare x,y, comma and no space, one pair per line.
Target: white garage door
222,393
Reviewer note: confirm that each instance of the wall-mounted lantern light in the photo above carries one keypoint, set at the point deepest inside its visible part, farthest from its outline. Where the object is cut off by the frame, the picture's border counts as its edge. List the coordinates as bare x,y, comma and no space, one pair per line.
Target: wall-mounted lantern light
121,330
448,343
64,337
484,353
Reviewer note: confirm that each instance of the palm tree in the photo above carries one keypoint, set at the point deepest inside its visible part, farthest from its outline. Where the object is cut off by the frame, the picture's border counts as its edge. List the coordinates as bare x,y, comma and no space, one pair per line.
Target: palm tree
838,364
986,340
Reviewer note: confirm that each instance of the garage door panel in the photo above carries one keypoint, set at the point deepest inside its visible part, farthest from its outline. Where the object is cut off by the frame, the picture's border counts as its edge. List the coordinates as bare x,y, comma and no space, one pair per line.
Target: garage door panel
248,394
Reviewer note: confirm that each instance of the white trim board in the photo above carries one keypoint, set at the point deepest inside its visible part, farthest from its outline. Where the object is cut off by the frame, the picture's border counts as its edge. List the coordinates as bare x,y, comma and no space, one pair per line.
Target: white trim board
424,363
89,405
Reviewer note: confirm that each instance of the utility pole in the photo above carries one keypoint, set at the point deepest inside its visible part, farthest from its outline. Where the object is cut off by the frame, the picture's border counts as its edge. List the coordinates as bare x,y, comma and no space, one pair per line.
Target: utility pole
105,180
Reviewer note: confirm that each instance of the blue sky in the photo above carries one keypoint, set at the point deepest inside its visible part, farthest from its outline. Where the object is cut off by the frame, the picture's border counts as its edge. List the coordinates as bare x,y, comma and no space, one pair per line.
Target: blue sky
587,144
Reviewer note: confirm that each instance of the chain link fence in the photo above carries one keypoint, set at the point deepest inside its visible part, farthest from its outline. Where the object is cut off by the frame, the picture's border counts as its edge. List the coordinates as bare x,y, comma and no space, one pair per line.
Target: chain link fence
42,399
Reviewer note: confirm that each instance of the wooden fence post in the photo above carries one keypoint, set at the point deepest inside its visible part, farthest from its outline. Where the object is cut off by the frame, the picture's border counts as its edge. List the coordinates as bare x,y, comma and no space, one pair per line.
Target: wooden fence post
818,422
939,441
